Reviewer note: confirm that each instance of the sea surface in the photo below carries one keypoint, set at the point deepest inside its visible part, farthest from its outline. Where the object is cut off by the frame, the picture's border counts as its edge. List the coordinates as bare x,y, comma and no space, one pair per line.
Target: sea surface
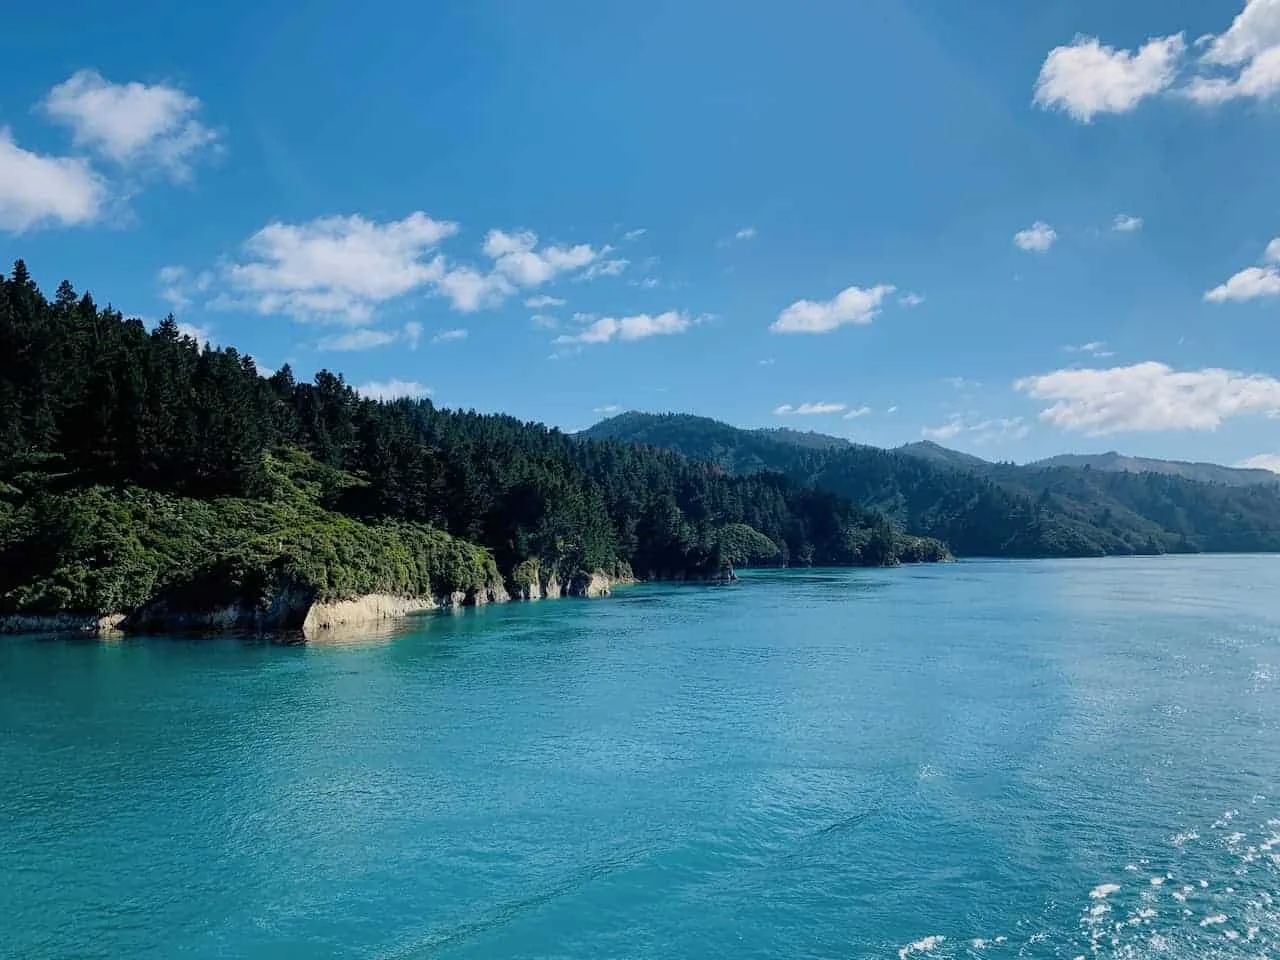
984,759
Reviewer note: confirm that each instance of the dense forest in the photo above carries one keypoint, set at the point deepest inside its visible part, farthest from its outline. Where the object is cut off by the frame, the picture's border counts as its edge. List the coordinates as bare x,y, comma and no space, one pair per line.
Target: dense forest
136,461
980,508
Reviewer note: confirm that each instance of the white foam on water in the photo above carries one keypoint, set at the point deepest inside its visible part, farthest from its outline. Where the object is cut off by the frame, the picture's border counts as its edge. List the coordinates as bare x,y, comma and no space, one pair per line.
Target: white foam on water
1182,839
1104,890
1215,920
923,945
1158,881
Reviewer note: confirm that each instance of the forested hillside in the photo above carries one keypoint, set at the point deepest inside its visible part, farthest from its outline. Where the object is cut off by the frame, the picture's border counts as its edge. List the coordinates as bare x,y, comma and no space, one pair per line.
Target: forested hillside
988,509
93,404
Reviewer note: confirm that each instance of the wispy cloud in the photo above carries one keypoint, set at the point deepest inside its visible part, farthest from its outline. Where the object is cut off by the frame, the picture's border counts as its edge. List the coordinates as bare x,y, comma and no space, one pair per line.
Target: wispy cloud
635,234
1263,461
542,301
911,299
857,413
608,409
637,327
1094,348
1124,223
745,233
449,336
821,408
365,338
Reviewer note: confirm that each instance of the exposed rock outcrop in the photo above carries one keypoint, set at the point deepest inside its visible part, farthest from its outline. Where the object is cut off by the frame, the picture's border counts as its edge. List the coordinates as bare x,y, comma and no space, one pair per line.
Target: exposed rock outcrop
370,608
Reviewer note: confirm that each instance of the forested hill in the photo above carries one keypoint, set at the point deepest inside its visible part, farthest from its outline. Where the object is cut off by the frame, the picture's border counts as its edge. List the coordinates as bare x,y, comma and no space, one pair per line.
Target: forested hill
987,509
96,409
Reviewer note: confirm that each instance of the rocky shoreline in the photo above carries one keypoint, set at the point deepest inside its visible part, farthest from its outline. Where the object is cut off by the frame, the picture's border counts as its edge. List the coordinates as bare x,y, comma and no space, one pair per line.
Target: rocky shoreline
295,611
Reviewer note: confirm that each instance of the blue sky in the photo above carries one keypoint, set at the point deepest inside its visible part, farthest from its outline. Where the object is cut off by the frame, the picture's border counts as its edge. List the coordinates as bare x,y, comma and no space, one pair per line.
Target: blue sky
1019,229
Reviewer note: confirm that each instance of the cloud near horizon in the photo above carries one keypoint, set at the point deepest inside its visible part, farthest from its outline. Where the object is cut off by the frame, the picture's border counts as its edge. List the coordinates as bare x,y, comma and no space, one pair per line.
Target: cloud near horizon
1148,397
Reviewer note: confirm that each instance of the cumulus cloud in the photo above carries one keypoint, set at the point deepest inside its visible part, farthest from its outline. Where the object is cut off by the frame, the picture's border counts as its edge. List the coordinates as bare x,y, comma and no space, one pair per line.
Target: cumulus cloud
1087,77
515,257
853,305
1149,397
1125,223
1252,282
1244,60
392,390
449,336
131,123
820,408
542,301
637,327
1037,238
38,190
338,268
1263,461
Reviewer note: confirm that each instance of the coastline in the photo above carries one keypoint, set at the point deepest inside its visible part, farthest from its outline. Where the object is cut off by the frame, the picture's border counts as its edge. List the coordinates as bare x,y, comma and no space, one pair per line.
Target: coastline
292,611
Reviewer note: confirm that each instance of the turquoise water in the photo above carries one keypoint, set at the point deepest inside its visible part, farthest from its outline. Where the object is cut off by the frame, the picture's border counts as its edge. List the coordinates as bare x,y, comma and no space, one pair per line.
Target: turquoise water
1054,759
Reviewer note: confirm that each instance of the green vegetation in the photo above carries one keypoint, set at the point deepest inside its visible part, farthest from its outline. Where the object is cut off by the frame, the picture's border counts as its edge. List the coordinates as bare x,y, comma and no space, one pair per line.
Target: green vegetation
137,465
980,508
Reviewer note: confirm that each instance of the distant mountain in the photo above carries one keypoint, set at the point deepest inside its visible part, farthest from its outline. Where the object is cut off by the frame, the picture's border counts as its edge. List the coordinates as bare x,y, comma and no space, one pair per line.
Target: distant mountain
1203,472
981,508
936,453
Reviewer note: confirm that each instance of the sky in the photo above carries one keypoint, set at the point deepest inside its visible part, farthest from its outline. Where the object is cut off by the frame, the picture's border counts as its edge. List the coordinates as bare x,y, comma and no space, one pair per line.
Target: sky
1014,229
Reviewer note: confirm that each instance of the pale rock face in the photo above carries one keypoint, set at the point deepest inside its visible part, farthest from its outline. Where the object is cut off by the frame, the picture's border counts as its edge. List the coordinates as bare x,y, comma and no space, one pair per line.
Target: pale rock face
367,609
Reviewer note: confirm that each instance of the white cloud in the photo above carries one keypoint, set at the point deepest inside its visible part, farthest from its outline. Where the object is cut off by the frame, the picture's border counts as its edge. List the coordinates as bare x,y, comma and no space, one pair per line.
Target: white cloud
1087,77
544,321
605,268
1094,348
1037,238
448,336
515,257
852,305
542,301
178,285
893,409
962,383
766,363
636,327
1149,396
746,233
1252,282
37,190
365,338
911,299
1249,47
608,408
821,408
1263,461
1124,223
131,122
199,334
392,390
857,412
635,234
338,268
412,334
949,430
1249,284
